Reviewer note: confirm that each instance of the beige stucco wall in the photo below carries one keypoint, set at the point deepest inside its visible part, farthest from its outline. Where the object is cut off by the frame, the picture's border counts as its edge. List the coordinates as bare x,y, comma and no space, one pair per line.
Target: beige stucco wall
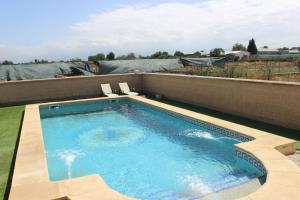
65,88
272,102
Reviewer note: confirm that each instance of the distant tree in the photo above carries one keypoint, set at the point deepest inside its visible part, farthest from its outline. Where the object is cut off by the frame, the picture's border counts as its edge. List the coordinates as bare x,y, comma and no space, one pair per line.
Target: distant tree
252,49
160,55
7,62
238,47
143,57
110,56
36,61
100,56
97,57
197,54
156,54
265,47
283,49
130,56
165,55
217,52
178,54
295,48
121,57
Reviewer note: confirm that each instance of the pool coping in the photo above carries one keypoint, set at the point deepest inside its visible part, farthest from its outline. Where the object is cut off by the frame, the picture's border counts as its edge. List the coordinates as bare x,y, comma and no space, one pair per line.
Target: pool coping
31,181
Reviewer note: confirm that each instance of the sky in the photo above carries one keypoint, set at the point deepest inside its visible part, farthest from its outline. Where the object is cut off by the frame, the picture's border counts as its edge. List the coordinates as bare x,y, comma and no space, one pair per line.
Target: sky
65,29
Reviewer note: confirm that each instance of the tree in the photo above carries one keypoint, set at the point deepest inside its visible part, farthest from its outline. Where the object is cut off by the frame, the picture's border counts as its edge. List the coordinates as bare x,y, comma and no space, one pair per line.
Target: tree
178,54
252,49
283,49
196,54
238,47
130,56
97,57
7,62
36,61
143,57
217,52
160,55
295,48
110,56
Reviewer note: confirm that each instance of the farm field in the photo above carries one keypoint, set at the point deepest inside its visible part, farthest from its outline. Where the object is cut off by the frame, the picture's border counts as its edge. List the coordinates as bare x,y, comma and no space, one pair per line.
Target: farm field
262,70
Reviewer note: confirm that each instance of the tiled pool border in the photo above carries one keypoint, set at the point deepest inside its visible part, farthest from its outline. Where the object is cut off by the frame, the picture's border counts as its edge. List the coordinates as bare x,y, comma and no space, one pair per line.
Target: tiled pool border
224,131
209,126
31,172
251,159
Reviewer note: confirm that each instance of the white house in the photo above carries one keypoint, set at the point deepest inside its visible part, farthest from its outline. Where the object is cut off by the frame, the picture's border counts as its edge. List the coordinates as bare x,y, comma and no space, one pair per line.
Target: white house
239,54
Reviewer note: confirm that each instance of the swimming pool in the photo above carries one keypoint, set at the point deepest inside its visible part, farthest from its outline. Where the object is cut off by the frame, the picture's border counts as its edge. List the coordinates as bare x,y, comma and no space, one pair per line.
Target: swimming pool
142,151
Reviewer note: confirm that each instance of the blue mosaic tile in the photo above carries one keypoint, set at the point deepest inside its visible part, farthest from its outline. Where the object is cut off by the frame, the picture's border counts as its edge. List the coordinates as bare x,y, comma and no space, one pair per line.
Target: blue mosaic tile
226,132
212,127
251,159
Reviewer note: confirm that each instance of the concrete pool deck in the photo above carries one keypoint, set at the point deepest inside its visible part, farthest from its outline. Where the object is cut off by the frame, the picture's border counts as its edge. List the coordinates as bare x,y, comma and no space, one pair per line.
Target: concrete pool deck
31,181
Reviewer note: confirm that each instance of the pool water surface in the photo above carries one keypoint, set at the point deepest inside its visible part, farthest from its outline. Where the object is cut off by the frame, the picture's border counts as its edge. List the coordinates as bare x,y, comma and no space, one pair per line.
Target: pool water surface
140,151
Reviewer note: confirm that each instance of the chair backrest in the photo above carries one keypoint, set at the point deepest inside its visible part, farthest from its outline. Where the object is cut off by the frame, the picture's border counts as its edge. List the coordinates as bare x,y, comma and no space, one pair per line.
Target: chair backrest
124,87
106,89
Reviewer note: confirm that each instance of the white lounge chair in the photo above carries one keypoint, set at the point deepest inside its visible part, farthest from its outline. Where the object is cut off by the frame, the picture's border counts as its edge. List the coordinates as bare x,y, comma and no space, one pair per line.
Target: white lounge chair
106,89
125,89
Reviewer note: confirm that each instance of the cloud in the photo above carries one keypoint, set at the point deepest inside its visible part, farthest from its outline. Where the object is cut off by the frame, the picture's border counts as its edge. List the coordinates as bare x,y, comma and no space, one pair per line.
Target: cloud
178,26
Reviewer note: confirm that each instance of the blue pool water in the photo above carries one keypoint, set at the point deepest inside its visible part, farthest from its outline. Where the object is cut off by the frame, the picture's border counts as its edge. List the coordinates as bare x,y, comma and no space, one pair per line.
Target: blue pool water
140,151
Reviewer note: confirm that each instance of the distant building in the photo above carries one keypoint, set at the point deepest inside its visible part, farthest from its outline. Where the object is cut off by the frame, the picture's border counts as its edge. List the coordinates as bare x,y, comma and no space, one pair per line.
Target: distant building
238,54
267,52
294,52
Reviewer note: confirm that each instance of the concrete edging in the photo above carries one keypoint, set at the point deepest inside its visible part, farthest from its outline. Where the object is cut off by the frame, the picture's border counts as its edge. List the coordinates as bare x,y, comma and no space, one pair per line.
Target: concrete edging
31,173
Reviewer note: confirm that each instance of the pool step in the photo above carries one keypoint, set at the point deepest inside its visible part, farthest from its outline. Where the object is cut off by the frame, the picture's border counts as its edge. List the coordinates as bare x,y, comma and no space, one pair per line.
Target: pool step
227,182
231,181
236,192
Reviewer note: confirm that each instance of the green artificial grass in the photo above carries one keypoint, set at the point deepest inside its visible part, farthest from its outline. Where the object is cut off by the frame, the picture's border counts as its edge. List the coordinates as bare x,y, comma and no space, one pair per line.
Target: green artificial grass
277,130
10,123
